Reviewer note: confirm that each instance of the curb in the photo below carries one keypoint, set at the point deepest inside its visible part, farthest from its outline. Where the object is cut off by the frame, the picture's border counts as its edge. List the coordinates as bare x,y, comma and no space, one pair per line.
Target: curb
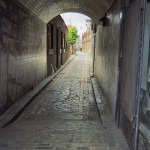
107,119
99,98
14,111
98,95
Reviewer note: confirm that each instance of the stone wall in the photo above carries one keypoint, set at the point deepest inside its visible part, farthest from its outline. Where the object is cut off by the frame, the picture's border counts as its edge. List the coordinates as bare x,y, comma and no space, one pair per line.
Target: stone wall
107,54
118,49
22,52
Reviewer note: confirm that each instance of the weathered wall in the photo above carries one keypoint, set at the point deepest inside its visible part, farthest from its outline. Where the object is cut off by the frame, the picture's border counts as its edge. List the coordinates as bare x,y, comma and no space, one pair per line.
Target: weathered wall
145,107
22,52
110,66
107,51
131,47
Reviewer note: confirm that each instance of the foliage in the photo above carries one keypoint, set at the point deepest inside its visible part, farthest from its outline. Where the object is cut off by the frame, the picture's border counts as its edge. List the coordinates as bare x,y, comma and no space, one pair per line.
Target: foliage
72,35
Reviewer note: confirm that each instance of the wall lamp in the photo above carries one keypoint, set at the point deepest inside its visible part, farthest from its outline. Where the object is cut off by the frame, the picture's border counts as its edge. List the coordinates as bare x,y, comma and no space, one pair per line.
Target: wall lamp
105,21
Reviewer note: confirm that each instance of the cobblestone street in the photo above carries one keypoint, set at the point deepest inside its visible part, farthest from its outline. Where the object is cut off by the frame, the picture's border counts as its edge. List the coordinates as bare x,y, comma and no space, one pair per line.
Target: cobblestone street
64,116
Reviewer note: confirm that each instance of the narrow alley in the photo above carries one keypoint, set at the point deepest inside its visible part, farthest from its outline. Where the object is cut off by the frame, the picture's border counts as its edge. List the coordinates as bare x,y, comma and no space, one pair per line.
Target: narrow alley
64,116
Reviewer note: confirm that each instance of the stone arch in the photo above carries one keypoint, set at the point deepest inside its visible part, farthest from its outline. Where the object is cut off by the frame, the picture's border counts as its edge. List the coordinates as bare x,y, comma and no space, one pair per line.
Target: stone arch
48,9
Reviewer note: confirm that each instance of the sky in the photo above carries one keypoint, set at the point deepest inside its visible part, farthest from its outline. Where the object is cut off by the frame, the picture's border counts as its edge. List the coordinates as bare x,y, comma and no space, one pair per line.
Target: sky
76,19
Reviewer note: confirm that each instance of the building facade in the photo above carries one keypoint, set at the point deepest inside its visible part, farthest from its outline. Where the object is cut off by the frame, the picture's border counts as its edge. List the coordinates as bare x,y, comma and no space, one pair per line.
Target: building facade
87,41
57,44
78,44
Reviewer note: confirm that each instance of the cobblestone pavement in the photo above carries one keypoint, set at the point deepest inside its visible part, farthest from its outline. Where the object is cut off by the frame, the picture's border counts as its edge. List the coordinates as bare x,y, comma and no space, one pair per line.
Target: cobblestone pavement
64,116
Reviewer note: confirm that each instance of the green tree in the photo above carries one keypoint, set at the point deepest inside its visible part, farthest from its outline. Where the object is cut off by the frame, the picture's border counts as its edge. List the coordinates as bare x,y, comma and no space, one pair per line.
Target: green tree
72,35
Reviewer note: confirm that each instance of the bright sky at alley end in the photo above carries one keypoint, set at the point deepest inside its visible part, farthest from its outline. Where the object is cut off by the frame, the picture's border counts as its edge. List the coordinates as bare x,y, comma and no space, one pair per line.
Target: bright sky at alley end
76,19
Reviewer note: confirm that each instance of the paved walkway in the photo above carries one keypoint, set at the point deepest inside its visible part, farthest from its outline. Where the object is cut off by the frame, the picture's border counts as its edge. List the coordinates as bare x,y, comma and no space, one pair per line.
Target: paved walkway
64,116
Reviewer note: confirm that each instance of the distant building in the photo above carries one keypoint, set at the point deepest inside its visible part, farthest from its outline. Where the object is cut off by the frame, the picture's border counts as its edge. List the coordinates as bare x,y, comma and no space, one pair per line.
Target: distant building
78,45
87,41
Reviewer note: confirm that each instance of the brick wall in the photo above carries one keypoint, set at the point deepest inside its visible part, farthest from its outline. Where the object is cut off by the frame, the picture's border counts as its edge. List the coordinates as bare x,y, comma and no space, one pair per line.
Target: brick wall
57,35
48,9
87,41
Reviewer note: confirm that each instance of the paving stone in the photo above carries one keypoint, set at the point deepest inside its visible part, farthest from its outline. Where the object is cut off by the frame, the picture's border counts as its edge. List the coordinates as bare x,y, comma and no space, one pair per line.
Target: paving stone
64,116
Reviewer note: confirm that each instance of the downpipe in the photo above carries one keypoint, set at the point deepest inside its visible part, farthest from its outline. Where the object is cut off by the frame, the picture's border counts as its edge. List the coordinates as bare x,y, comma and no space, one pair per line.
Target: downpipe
139,73
94,56
120,57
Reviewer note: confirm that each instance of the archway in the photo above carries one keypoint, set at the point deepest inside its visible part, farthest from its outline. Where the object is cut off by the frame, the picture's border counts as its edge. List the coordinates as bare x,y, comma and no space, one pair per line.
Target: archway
48,9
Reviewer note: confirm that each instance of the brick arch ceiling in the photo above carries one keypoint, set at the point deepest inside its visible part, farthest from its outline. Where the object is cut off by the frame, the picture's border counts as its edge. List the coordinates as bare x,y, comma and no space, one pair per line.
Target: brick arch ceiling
48,9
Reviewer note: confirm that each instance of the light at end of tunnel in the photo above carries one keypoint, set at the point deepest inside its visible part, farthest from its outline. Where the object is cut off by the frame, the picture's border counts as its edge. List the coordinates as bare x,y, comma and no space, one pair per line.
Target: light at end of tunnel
121,15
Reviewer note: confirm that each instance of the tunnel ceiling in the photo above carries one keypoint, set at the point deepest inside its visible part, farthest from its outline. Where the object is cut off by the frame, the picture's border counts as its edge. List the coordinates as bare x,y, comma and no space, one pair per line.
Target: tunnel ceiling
48,9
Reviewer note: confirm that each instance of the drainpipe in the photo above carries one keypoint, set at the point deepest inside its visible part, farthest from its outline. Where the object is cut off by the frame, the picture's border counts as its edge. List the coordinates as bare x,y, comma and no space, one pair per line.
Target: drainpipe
120,57
139,73
94,40
94,57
